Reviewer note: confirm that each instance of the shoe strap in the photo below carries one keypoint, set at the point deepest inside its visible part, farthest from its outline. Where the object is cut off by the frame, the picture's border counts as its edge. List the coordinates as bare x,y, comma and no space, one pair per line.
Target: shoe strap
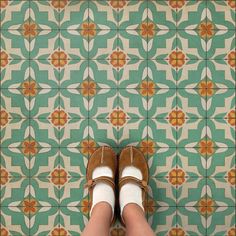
127,179
102,179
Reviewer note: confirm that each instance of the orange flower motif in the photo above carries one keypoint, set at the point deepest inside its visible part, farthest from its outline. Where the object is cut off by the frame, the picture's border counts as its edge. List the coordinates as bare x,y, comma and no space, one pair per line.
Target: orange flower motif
147,147
118,59
147,29
232,4
29,147
176,59
206,88
3,118
30,29
3,232
3,59
232,118
176,232
118,3
59,118
232,176
3,176
176,177
59,232
206,147
176,3
206,30
88,29
118,118
147,88
88,88
59,59
232,59
59,4
117,232
59,176
85,206
206,206
29,88
88,147
29,206
176,118
149,206
232,232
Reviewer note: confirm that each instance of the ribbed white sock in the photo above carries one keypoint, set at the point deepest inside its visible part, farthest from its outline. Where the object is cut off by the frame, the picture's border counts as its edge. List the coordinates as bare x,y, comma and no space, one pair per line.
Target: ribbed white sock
103,192
130,193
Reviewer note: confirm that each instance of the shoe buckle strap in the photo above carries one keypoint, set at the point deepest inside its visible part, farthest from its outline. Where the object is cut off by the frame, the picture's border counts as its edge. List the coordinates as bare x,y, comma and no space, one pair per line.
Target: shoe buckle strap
141,183
92,182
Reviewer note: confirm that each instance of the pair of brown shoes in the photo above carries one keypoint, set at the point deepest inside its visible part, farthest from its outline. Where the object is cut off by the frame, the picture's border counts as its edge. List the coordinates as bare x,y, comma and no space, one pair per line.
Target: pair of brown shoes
129,156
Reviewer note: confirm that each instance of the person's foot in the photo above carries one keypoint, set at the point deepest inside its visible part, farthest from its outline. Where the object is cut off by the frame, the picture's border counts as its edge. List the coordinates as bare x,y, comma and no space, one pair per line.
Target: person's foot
101,172
133,178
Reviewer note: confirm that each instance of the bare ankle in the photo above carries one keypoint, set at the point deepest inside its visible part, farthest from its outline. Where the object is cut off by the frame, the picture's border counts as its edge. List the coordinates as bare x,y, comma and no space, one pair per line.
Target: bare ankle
132,212
102,209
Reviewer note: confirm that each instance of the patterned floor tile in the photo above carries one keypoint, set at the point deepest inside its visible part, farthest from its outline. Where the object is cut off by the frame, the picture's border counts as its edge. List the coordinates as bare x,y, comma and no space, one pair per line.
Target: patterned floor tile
222,221
72,14
45,13
161,75
15,132
185,185
165,194
222,190
105,131
79,74
44,221
221,13
161,160
103,13
130,135
193,75
191,44
191,103
70,101
14,221
190,14
15,162
44,132
162,220
198,223
14,191
133,14
73,220
43,103
221,162
133,43
161,102
221,132
192,133
215,107
167,134
45,46
221,72
74,160
47,191
193,161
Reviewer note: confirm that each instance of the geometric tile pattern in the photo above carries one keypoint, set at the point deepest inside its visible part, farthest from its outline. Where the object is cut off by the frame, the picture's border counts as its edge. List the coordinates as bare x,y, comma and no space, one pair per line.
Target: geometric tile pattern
157,74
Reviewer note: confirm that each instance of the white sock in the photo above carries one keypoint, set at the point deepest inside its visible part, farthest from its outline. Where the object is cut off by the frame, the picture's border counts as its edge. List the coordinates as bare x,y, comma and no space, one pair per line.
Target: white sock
130,193
103,192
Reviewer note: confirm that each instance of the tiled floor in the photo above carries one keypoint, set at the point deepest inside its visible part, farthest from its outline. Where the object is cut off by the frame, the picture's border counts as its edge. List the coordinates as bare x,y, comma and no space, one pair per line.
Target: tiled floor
157,74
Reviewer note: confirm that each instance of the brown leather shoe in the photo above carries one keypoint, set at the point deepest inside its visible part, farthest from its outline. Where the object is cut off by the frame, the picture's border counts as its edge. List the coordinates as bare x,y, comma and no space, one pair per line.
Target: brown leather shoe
131,156
103,156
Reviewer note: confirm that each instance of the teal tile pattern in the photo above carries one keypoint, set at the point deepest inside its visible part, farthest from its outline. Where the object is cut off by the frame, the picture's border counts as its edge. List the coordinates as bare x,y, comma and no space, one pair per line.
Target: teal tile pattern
157,74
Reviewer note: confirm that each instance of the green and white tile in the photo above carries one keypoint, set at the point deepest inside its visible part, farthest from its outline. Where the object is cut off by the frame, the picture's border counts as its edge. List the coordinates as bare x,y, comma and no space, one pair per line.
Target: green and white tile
156,74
